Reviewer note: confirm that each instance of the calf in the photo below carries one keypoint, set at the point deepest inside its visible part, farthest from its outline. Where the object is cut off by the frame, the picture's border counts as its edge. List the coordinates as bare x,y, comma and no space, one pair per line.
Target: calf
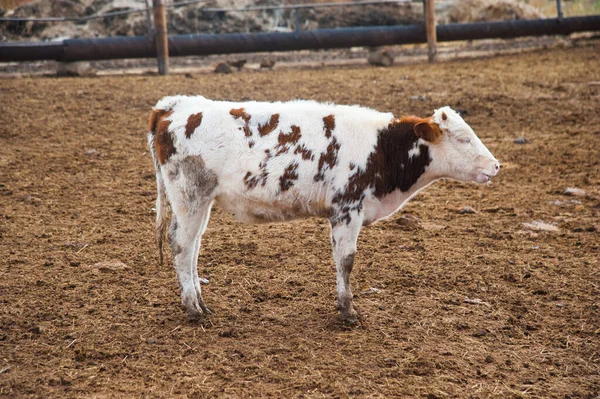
268,162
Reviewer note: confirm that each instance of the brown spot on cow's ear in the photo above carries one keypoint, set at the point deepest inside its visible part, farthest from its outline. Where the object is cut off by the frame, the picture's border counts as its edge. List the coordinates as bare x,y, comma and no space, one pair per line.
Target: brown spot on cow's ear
269,126
163,142
428,131
193,122
329,122
444,116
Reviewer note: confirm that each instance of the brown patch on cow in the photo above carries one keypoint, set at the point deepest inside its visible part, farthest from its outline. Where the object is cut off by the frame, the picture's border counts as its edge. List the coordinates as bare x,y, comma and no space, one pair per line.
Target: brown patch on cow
424,128
155,117
285,140
305,152
241,113
444,116
163,142
388,168
327,159
251,180
329,122
251,143
286,180
360,181
193,122
290,138
263,130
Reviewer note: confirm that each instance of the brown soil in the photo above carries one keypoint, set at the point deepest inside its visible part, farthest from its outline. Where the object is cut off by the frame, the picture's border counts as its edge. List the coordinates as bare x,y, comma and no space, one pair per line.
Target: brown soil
77,188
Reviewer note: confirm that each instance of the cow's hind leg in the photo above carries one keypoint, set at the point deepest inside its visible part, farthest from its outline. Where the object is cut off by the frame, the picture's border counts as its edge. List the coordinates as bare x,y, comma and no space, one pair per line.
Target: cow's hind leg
344,234
203,227
185,235
190,190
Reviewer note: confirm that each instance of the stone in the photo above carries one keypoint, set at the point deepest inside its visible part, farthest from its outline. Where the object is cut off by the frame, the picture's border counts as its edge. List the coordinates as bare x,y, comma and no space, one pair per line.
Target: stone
238,64
223,68
267,63
380,56
110,266
574,191
540,226
71,69
408,220
521,140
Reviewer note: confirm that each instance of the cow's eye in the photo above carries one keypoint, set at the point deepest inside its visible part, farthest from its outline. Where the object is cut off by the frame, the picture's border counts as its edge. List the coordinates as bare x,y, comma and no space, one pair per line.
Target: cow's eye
464,140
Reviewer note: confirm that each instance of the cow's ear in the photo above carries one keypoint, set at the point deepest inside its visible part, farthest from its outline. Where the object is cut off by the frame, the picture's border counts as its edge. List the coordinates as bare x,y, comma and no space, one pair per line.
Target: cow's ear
428,131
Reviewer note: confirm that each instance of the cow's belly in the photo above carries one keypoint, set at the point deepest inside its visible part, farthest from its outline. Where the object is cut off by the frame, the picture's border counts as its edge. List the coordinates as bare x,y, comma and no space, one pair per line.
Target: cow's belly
252,209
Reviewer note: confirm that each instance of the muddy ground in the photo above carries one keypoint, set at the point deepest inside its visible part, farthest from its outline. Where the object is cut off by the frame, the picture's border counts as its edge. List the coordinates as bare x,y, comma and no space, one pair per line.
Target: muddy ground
471,305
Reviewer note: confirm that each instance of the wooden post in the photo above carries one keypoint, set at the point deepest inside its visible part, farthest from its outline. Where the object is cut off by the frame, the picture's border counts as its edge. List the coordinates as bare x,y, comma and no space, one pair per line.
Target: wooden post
430,25
162,41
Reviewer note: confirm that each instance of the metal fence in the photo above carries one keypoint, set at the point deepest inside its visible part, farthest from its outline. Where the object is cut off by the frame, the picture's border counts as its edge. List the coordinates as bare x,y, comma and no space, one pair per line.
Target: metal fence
148,10
157,44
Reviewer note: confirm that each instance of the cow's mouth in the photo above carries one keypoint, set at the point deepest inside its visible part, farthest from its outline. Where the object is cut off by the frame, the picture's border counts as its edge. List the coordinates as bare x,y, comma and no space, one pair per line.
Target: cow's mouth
483,178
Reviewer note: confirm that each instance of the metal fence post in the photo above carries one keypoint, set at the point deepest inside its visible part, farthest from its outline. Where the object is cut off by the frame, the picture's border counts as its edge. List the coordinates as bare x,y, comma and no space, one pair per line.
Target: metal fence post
558,9
162,41
430,26
149,18
296,20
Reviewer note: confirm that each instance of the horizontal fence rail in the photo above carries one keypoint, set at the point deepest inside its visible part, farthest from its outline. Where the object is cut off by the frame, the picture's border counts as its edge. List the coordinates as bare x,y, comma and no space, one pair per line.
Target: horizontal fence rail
207,44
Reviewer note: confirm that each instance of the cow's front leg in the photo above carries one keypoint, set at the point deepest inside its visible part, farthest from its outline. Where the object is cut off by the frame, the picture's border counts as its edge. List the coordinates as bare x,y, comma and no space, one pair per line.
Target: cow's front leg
344,234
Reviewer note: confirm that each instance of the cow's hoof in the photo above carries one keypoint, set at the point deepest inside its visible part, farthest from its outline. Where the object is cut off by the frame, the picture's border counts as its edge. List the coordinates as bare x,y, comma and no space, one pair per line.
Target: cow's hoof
350,318
194,314
205,309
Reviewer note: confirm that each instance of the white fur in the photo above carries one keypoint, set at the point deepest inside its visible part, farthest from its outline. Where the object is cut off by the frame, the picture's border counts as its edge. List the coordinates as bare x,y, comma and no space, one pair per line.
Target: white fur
455,157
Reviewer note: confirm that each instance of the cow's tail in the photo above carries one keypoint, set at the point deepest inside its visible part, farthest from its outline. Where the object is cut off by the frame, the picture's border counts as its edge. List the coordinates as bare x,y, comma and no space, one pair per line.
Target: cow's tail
161,194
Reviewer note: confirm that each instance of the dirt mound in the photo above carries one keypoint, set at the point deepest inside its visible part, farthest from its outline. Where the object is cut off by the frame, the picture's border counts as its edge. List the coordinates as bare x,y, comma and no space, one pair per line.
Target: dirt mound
491,10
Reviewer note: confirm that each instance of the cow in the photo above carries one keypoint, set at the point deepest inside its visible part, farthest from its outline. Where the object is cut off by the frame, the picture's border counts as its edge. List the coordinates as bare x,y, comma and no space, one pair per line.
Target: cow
272,162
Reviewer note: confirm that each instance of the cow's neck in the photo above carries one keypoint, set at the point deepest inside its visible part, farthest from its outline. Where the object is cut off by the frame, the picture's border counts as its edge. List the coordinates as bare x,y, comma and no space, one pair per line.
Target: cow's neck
403,166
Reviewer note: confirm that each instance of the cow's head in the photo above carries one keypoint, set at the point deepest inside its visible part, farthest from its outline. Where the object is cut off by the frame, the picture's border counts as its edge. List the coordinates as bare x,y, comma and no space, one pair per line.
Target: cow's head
456,151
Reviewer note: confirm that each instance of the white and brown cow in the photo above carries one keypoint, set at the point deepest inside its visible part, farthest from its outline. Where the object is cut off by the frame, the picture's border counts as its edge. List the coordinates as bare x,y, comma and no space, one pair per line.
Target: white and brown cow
267,162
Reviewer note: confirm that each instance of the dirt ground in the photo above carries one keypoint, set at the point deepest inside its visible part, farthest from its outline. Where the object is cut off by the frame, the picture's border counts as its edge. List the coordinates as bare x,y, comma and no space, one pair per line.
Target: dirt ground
472,305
